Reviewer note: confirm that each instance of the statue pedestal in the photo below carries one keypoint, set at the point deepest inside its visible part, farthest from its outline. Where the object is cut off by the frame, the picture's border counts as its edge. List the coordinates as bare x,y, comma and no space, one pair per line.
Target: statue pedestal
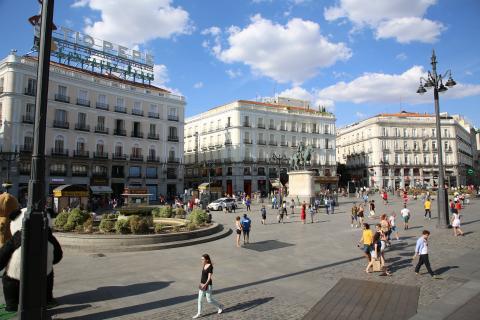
301,185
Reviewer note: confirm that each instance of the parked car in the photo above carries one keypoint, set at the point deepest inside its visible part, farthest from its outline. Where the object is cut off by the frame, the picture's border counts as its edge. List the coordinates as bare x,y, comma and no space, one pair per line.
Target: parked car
217,205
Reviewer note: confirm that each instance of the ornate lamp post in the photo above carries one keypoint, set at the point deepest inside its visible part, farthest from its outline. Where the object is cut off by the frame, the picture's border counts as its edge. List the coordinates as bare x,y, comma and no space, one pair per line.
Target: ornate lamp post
9,157
278,159
435,81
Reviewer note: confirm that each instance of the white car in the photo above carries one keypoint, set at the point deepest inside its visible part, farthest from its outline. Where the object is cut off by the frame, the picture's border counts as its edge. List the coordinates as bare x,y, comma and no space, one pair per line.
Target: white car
217,205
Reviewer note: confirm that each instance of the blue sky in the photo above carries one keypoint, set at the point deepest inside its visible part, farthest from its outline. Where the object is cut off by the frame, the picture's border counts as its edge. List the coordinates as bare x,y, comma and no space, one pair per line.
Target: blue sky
358,58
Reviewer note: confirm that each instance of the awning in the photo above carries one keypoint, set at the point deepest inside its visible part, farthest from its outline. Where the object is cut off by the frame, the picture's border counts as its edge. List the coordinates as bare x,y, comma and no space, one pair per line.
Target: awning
71,190
276,183
203,186
101,189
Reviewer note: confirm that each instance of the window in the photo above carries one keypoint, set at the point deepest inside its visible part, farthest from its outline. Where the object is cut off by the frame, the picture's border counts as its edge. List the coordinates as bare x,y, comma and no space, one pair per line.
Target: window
406,159
81,144
30,110
31,86
79,169
82,95
172,132
102,99
28,142
282,125
327,144
151,172
137,106
246,121
434,145
405,132
425,159
397,132
62,91
100,147
435,159
445,133
134,172
152,129
272,124
414,132
120,102
434,132
172,112
117,172
59,143
397,159
82,118
405,145
60,115
151,152
171,154
118,149
101,122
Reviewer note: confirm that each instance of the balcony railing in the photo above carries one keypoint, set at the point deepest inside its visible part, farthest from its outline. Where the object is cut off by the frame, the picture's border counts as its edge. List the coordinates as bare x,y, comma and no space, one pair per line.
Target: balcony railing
62,98
121,109
173,160
101,129
293,129
173,138
272,128
261,142
59,152
27,148
83,102
136,134
99,174
171,176
247,159
154,136
82,127
120,132
81,154
283,128
154,115
28,118
283,144
228,125
260,126
102,106
294,145
100,155
58,173
30,91
272,143
228,142
172,117
211,147
136,157
247,141
61,124
79,173
119,156
137,112
151,158
246,124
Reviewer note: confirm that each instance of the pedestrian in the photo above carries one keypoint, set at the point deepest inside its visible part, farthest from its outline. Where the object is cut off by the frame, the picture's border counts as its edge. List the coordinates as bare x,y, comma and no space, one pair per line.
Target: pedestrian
238,229
406,216
427,205
353,217
458,206
327,206
385,197
365,198
361,214
246,226
302,212
456,223
274,202
280,215
263,211
206,286
366,240
317,205
452,206
421,250
393,227
332,205
374,250
292,207
311,211
372,208
385,228
284,208
248,203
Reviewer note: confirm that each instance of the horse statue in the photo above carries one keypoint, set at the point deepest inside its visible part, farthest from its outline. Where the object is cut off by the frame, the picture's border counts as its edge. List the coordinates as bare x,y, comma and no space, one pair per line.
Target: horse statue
301,157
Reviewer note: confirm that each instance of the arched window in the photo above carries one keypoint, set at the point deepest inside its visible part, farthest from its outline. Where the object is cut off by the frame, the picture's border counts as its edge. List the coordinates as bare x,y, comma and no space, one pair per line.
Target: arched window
152,153
118,149
28,141
59,143
171,154
80,144
100,149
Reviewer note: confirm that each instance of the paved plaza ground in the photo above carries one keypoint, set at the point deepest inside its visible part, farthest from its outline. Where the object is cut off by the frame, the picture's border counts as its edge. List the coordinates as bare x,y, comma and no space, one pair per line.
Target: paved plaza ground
282,274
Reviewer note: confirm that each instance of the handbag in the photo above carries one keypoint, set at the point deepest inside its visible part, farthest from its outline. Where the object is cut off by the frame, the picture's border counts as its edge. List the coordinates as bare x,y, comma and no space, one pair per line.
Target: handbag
377,266
200,287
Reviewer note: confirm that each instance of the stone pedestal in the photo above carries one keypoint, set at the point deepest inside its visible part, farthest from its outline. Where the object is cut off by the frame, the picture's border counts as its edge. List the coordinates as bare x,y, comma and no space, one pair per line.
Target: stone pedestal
301,185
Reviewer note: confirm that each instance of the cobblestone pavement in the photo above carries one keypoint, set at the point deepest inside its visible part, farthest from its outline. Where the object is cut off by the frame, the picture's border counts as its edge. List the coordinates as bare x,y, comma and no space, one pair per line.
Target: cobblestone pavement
288,268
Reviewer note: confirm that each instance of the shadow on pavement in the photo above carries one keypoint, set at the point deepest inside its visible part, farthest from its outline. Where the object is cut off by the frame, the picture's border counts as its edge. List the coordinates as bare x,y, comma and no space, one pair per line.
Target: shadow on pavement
108,314
248,305
442,270
68,309
473,221
112,292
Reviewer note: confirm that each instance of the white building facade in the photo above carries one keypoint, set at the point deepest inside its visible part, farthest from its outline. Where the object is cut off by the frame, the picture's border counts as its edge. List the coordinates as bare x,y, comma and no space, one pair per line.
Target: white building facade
400,150
236,143
101,130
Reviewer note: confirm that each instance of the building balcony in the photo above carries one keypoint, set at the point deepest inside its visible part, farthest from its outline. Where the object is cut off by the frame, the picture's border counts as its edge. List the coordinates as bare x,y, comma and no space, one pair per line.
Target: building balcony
293,129
247,141
173,138
218,145
283,144
294,145
154,115
248,159
137,112
227,160
82,127
283,129
24,171
120,109
260,126
101,129
136,134
153,136
59,152
79,174
28,118
83,102
120,132
100,155
272,143
173,160
152,158
58,173
211,147
27,148
99,174
228,142
81,154
119,156
261,142
62,98
30,92
246,124
172,117
171,176
204,148
228,125
272,128
448,149
61,124
102,106
261,160
136,157
151,176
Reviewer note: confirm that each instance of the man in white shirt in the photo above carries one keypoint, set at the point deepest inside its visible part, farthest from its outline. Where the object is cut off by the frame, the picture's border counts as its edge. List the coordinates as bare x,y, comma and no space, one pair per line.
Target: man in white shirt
406,216
421,250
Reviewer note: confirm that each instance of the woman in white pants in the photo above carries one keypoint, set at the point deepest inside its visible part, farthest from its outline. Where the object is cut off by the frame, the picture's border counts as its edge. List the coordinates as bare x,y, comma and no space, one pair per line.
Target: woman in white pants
205,287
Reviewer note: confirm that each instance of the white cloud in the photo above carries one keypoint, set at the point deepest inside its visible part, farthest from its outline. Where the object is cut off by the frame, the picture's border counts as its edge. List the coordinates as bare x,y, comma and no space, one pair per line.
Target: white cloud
160,74
234,73
400,19
468,73
286,53
360,114
401,56
198,85
390,88
303,94
136,22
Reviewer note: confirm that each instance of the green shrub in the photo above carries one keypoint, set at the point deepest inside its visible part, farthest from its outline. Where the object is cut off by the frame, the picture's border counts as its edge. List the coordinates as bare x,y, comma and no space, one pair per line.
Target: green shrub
177,228
88,225
191,226
140,211
180,213
198,217
61,220
77,218
111,216
164,212
69,226
107,225
139,225
159,227
122,226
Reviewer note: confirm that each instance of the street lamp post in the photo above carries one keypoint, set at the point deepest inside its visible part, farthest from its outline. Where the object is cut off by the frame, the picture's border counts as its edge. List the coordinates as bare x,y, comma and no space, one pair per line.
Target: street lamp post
278,158
9,157
435,81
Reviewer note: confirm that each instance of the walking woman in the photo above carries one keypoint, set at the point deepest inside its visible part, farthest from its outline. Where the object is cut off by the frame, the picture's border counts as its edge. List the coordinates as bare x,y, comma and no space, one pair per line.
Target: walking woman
238,228
366,240
205,287
303,213
292,207
456,223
